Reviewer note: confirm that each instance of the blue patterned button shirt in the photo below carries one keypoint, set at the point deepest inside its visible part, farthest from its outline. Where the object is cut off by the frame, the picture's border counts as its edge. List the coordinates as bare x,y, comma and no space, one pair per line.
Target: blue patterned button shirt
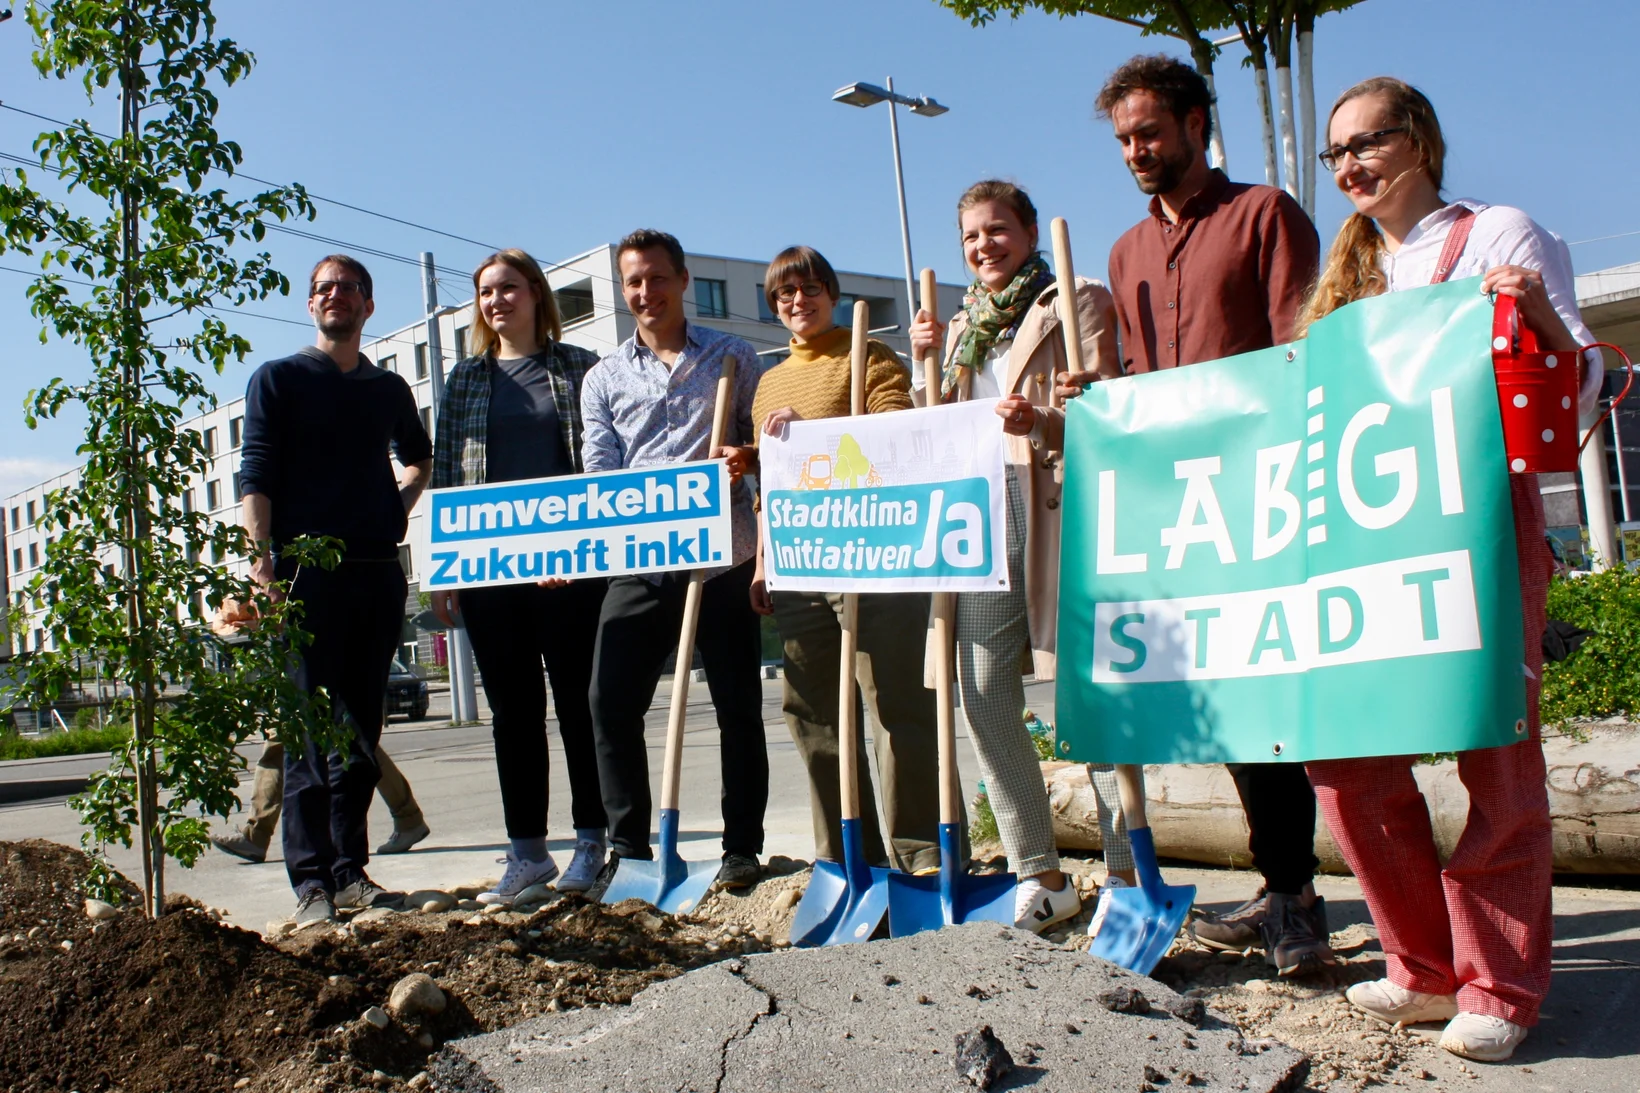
636,412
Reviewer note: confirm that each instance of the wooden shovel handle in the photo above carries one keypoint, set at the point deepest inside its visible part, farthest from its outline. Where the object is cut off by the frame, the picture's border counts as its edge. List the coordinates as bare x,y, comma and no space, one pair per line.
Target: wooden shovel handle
1130,783
1069,321
672,763
944,609
847,754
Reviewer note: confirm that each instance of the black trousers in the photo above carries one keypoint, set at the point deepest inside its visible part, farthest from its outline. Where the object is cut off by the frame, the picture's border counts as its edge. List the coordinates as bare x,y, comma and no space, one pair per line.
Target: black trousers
355,614
1280,808
637,631
516,630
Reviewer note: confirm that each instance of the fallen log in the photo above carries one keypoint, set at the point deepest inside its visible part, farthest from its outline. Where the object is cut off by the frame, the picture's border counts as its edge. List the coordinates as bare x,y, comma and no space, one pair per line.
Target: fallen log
1594,802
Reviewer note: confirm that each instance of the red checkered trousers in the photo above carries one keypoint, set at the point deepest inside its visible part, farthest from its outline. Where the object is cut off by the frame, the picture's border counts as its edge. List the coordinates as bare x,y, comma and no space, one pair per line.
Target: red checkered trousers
1482,927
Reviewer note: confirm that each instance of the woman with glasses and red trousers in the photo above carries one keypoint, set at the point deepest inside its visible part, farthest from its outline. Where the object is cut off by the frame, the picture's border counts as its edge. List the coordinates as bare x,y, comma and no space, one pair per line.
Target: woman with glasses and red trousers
510,412
1467,944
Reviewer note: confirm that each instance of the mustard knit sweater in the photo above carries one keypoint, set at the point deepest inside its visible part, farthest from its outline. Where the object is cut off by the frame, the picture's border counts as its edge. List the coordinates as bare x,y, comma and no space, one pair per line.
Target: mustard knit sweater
814,380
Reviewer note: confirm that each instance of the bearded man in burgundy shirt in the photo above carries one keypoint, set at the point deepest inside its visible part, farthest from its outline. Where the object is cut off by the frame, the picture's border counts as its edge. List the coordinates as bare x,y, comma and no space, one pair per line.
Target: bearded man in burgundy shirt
1218,268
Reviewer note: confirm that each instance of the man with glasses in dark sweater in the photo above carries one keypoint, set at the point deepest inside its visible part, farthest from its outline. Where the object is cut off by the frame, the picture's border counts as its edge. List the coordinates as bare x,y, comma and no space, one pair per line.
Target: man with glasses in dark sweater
318,428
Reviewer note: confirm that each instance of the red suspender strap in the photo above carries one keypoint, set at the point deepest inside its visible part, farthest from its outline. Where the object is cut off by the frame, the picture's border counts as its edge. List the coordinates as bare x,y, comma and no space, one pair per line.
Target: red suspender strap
1455,241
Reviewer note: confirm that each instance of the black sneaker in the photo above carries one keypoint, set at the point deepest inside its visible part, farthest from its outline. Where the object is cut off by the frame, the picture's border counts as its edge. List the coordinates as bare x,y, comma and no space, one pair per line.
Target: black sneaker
1295,936
739,871
365,893
1234,930
313,904
605,877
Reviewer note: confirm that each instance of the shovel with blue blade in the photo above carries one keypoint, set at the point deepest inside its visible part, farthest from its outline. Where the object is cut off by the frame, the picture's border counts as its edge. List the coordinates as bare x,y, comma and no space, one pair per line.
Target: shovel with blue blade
846,901
918,903
1140,923
670,883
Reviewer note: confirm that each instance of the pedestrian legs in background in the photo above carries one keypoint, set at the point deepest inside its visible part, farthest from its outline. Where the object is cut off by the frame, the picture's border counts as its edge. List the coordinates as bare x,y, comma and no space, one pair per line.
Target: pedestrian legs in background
517,632
892,637
252,840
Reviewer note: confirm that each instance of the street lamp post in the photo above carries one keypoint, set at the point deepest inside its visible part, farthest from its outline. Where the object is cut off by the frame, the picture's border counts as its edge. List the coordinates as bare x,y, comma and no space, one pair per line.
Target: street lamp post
863,95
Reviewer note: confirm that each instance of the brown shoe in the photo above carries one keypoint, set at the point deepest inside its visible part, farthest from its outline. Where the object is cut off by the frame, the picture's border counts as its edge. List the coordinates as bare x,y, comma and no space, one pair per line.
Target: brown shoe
1234,930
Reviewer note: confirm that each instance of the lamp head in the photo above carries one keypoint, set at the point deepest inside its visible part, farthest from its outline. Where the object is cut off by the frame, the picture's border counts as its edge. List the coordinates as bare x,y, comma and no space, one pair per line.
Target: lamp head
860,94
928,108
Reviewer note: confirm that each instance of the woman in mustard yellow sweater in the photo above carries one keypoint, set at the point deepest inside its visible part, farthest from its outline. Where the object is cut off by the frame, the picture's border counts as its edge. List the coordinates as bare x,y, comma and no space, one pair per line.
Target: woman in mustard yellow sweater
814,383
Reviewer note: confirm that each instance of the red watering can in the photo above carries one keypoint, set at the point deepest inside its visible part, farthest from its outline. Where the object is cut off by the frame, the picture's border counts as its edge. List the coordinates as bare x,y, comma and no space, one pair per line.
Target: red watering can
1537,395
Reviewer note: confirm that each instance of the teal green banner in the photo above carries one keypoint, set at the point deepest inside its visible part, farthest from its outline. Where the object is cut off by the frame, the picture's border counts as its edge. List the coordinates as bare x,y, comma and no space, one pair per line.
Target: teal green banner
1302,553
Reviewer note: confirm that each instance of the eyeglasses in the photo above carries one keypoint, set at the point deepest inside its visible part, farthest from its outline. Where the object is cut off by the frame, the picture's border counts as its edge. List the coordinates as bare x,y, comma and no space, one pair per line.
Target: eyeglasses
787,293
1365,147
343,288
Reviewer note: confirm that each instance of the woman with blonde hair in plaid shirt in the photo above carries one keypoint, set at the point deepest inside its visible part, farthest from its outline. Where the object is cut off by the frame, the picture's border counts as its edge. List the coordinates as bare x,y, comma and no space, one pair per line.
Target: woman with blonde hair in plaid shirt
510,412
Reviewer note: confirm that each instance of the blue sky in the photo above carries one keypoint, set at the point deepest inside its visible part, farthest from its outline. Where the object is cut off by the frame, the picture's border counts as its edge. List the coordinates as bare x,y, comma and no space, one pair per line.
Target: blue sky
557,127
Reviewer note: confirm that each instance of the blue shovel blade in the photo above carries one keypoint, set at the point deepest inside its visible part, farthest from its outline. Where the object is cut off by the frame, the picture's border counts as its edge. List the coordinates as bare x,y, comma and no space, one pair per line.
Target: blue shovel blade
670,883
1140,923
843,903
953,897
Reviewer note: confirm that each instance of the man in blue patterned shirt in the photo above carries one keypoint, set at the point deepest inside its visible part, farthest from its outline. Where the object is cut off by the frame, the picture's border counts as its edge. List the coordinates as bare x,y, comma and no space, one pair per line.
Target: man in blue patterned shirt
650,402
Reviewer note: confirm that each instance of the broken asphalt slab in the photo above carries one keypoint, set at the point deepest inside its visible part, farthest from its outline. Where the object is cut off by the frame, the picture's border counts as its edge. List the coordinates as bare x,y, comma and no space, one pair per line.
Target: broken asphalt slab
884,1015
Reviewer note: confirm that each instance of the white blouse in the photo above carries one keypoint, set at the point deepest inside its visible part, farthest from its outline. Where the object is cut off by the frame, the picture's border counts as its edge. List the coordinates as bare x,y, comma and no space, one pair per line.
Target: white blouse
1500,236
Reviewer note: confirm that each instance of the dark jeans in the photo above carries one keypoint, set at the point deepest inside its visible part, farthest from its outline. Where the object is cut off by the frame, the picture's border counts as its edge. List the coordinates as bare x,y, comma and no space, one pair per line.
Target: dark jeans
637,631
1280,808
515,630
355,614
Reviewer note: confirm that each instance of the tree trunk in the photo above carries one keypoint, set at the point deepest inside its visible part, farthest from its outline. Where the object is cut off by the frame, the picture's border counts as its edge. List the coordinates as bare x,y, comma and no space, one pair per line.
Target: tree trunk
1261,79
1201,54
1306,107
1281,44
135,525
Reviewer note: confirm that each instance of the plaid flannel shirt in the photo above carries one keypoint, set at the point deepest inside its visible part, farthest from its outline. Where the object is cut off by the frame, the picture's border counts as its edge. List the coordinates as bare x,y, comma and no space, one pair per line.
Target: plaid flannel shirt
460,454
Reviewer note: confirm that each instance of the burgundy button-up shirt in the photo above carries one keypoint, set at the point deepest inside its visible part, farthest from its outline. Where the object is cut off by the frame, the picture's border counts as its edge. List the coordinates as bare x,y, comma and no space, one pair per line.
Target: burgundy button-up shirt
1228,278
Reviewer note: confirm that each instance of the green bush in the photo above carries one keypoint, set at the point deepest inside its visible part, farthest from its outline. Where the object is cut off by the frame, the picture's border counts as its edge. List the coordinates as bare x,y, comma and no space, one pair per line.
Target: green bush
76,741
1602,678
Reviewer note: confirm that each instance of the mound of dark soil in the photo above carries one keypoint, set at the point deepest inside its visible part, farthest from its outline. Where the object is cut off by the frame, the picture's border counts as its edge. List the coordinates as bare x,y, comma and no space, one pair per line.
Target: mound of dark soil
187,1003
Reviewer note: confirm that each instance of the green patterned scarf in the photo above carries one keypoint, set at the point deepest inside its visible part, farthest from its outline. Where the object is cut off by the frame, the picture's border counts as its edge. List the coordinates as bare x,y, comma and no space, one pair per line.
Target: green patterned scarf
993,314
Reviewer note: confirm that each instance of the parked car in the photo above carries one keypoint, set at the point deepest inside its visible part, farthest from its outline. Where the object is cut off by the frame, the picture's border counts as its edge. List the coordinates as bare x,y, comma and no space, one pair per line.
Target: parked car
406,691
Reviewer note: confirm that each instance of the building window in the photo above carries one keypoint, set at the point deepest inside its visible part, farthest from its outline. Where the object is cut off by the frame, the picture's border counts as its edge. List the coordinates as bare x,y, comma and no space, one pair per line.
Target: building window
210,442
711,298
574,302
187,500
236,432
17,559
216,552
39,639
421,360
843,313
427,420
406,562
33,555
461,343
389,363
31,512
213,495
15,517
764,315
238,490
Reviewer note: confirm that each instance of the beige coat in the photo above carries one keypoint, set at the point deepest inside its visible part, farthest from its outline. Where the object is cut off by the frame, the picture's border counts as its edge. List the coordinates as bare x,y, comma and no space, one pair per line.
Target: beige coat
1037,355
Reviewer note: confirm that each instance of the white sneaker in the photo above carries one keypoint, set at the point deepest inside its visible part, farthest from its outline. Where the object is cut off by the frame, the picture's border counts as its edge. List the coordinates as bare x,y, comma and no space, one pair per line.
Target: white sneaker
584,866
521,873
1102,905
1037,907
1485,1039
1390,1003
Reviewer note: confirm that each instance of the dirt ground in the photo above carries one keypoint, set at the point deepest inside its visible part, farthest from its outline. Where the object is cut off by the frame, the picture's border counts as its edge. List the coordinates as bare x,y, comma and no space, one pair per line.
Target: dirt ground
189,1003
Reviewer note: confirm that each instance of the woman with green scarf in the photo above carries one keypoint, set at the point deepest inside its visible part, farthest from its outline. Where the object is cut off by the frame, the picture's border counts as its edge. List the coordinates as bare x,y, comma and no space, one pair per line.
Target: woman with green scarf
1006,343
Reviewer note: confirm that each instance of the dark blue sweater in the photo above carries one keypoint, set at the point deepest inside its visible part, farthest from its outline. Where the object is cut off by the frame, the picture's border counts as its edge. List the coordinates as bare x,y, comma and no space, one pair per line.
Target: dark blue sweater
316,445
